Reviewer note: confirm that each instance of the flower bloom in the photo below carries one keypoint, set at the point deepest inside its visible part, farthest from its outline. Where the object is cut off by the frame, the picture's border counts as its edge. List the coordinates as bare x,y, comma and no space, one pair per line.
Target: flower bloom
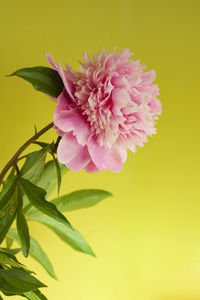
108,107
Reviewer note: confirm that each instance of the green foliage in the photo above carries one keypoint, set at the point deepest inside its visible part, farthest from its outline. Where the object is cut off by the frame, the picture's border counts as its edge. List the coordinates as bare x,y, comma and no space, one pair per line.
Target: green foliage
80,199
43,79
36,196
36,252
34,165
58,172
35,295
16,281
8,213
69,235
22,226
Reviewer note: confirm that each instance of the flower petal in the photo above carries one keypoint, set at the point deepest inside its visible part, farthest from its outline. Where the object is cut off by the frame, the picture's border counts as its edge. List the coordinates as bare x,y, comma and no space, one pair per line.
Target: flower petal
105,158
71,120
80,161
68,148
91,168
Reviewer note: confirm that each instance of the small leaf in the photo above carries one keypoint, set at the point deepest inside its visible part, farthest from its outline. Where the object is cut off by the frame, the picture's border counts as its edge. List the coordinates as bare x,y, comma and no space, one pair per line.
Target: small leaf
69,235
10,251
36,252
35,295
36,196
42,144
48,177
9,242
7,260
34,165
80,199
43,79
7,192
58,172
18,281
8,216
22,226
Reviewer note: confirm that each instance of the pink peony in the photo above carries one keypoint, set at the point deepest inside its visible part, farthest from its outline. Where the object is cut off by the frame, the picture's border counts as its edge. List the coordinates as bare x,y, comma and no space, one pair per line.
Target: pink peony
106,108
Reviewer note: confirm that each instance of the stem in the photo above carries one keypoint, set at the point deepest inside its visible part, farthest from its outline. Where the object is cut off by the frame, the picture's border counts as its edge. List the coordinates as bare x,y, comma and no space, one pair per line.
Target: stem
14,159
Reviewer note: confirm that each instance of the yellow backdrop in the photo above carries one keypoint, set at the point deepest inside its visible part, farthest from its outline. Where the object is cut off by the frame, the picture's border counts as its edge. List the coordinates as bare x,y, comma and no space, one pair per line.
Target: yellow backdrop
147,237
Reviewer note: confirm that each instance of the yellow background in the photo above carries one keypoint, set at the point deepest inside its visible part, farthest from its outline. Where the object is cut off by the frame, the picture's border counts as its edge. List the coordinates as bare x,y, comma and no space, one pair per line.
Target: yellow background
147,237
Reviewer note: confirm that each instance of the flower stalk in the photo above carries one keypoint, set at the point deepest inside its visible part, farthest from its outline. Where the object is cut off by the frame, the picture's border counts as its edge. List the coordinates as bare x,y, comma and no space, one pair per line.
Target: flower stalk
15,157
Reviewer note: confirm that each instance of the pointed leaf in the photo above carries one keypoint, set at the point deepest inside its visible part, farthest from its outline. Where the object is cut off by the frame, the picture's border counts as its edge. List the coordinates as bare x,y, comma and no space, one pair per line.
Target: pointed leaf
36,252
34,165
80,199
58,172
9,242
22,226
69,235
35,295
43,79
7,191
19,281
10,251
48,179
36,196
8,216
7,260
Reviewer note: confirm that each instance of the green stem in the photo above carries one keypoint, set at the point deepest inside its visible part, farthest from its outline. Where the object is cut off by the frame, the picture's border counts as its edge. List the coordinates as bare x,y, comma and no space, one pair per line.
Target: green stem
14,159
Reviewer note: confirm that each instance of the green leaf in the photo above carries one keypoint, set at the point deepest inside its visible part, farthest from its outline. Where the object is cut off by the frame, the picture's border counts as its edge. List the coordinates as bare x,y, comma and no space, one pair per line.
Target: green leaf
35,295
80,199
7,191
5,259
22,226
10,251
69,235
9,242
48,177
58,172
42,144
36,252
18,281
43,79
36,196
34,165
8,216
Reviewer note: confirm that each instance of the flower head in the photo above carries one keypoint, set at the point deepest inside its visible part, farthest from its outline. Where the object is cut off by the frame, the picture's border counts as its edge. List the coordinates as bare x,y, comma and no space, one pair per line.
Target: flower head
108,107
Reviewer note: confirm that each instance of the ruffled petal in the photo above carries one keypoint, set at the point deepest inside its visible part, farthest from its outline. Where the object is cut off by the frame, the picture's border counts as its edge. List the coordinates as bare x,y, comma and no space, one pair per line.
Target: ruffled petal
105,158
68,148
71,120
80,161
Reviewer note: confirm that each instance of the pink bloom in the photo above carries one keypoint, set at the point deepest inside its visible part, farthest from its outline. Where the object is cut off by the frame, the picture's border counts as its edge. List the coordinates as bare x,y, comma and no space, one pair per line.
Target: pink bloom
106,108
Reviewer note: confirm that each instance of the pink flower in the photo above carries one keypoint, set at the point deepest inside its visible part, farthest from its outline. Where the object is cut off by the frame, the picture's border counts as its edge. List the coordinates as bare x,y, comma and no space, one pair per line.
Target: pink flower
108,107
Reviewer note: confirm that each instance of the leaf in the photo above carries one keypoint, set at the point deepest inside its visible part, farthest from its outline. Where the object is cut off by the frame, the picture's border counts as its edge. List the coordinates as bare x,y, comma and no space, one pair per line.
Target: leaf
9,242
69,235
42,144
7,192
48,179
36,252
35,295
22,226
34,165
18,281
7,260
36,196
43,79
8,217
10,251
58,172
80,199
